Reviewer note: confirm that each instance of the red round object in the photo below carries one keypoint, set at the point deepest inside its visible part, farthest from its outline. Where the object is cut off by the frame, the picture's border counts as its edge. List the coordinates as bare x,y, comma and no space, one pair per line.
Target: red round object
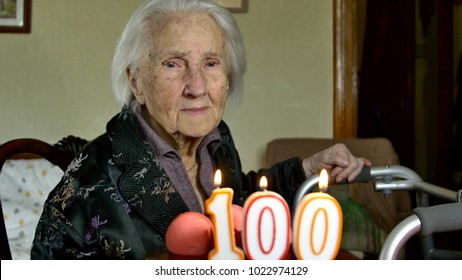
190,234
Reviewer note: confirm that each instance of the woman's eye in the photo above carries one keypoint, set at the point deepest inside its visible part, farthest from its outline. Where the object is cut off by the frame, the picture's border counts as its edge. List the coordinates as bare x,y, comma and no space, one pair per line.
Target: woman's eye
170,64
211,63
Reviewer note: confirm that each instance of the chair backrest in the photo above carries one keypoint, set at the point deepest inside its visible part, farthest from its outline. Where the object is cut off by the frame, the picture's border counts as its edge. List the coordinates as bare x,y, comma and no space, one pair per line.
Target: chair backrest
59,154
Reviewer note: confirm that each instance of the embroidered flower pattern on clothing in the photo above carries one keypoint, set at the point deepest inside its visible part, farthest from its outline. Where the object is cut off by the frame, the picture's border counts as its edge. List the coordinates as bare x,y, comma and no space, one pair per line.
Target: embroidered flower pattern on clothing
137,198
94,225
165,191
66,193
85,192
140,174
52,240
115,251
76,163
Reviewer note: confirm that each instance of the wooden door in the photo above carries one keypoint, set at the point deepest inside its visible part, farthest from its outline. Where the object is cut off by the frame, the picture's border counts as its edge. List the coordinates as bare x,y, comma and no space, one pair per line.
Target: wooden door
386,78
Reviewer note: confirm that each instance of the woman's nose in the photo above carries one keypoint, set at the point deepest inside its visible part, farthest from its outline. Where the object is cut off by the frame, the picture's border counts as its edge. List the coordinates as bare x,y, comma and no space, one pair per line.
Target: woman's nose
195,83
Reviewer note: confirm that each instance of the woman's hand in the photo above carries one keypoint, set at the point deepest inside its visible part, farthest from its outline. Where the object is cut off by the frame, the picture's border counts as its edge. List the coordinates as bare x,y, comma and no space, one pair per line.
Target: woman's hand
338,161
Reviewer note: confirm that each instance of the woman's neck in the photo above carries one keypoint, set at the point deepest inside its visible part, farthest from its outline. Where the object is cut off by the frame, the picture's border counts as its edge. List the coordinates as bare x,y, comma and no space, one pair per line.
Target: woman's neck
186,146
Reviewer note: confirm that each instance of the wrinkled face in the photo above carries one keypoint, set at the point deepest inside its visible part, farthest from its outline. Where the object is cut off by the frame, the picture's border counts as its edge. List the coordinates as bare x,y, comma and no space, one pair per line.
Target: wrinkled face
183,80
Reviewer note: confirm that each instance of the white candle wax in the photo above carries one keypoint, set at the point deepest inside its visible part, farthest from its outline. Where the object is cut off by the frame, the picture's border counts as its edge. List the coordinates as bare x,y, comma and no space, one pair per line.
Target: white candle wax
218,206
266,227
318,224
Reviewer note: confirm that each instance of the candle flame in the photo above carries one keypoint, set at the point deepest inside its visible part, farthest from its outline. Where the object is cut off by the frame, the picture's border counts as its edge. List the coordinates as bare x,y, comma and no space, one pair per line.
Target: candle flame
323,179
217,178
263,183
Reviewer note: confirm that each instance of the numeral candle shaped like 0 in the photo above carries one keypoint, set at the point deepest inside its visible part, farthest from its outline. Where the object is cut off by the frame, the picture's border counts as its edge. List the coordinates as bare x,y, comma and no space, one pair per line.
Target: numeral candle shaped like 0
318,222
266,232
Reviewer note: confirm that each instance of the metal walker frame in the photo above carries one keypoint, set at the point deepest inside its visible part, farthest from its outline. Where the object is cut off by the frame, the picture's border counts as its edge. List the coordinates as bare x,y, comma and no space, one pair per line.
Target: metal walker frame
425,219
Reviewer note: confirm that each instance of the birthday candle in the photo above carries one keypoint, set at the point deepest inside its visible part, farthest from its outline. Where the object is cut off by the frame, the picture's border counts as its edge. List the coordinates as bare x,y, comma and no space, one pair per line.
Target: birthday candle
267,230
218,206
318,224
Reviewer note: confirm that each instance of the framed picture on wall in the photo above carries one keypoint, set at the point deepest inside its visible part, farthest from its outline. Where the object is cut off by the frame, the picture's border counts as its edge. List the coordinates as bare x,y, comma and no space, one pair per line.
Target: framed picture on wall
235,6
15,16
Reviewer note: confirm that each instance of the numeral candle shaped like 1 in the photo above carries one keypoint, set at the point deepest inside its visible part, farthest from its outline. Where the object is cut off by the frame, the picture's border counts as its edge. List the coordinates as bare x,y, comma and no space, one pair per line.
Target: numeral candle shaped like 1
318,222
267,232
218,207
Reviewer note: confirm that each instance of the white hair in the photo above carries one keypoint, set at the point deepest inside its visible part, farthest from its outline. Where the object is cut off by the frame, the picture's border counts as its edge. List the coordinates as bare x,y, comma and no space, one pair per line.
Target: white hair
133,44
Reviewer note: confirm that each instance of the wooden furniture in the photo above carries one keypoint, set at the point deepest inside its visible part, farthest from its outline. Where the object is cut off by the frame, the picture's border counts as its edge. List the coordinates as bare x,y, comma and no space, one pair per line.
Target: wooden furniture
59,154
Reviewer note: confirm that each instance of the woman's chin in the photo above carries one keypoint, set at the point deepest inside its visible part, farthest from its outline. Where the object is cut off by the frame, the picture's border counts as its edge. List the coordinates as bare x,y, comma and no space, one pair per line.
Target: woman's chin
196,129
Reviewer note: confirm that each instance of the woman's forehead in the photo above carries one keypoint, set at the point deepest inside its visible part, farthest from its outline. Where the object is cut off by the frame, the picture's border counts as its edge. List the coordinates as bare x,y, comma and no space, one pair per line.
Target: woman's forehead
182,34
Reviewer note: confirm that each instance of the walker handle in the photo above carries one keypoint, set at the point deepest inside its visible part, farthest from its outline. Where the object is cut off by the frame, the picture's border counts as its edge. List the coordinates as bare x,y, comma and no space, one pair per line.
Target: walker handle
425,221
440,218
363,177
311,182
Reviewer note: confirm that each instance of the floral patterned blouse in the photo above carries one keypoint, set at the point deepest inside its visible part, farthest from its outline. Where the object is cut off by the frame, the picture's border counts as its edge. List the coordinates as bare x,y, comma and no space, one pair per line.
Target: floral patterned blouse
115,201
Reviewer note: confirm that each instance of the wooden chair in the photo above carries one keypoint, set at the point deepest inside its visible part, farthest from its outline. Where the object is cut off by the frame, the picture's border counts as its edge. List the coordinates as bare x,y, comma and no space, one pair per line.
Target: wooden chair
59,154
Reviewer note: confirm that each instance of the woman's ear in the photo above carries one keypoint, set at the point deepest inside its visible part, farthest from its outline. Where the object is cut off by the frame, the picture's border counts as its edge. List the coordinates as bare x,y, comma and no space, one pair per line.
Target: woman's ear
135,87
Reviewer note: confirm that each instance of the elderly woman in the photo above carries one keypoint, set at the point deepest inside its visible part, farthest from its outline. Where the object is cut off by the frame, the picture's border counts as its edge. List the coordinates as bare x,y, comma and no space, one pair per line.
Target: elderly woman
177,64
